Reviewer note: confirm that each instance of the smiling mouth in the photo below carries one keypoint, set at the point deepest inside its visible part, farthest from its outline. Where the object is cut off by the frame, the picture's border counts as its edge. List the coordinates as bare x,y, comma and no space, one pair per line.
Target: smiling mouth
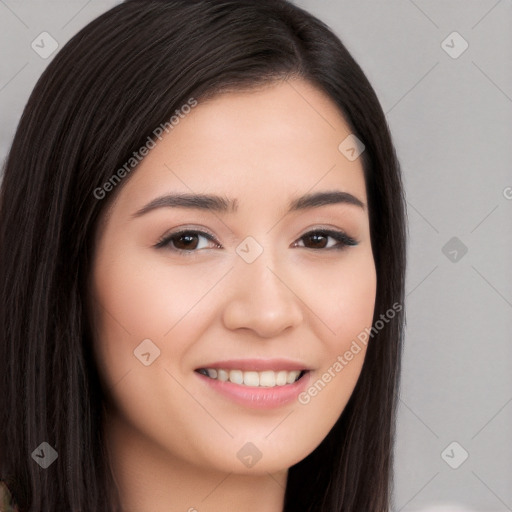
264,379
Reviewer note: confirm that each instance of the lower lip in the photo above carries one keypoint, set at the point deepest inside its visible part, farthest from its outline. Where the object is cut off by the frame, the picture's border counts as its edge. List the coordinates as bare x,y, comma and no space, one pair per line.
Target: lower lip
258,397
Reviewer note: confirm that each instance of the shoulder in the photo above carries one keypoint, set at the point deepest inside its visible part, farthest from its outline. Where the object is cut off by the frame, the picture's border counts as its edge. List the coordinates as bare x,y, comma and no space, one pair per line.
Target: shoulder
6,501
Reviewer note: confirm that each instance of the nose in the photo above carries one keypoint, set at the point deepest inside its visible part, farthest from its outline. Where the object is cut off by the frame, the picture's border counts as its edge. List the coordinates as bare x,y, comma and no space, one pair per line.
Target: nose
261,298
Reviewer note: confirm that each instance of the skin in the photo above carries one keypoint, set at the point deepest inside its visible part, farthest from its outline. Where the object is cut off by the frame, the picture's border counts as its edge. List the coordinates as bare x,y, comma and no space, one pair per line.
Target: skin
173,441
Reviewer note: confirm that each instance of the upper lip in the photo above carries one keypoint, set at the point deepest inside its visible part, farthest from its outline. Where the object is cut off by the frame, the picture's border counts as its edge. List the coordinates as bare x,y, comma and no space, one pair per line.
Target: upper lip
257,365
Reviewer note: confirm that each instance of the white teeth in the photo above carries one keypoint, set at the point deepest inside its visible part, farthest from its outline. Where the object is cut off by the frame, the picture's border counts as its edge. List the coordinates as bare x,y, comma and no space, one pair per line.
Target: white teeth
236,376
290,378
221,375
251,379
267,378
281,378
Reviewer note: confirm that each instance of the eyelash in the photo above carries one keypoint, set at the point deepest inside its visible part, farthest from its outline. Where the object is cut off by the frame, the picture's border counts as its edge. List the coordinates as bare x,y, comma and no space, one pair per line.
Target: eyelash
342,238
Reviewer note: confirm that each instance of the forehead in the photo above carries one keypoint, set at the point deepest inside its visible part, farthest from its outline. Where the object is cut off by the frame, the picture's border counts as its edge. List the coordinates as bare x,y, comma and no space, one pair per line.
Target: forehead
271,142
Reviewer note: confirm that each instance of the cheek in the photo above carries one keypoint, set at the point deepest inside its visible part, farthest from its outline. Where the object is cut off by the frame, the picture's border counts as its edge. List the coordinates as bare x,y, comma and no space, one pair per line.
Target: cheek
146,301
342,297
137,299
136,302
345,305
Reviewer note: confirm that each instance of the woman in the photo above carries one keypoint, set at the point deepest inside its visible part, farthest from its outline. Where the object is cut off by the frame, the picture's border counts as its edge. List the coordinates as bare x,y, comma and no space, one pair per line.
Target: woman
256,370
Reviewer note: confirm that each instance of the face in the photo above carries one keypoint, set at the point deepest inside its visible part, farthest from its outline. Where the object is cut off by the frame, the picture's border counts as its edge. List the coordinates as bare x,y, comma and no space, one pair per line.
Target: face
257,286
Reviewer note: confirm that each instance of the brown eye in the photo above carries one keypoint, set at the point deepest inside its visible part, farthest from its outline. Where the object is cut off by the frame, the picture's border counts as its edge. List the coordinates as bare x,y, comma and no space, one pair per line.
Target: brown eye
319,239
185,241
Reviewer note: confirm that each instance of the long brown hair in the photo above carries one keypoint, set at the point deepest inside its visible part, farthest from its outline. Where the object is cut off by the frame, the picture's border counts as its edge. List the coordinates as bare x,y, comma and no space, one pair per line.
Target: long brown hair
103,94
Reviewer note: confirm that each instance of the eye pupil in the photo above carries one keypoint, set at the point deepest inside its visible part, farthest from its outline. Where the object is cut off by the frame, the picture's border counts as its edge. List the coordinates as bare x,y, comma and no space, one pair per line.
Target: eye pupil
318,236
188,237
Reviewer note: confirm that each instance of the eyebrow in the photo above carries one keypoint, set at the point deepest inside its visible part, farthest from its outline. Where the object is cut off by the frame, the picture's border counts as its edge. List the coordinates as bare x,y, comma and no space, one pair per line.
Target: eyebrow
220,204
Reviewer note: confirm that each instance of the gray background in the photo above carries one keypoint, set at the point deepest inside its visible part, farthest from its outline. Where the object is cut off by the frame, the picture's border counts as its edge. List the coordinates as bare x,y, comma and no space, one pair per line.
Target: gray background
451,119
